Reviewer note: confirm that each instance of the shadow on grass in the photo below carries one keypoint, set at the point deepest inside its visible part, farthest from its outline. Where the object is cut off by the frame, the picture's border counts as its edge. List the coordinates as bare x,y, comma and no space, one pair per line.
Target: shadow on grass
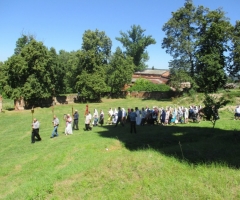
196,145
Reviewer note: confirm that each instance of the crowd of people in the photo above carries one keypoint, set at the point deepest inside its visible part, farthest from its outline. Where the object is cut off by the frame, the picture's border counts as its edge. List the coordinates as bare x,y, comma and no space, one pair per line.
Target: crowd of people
156,115
141,117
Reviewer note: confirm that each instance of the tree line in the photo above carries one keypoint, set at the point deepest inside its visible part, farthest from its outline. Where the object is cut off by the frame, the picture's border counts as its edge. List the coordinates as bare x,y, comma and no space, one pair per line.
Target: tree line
34,71
204,46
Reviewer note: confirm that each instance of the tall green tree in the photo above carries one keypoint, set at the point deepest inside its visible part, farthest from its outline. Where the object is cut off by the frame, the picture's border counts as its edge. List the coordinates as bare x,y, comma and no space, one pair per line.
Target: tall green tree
120,71
28,73
234,65
72,70
181,37
135,43
57,73
213,41
63,57
197,40
93,60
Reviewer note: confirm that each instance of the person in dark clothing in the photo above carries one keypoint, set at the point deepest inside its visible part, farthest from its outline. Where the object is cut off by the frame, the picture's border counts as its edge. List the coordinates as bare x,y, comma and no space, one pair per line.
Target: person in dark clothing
75,120
132,116
101,121
120,116
35,131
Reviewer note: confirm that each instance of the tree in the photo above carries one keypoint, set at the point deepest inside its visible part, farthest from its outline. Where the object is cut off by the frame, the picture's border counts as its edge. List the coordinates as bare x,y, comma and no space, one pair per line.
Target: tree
63,58
22,42
212,104
120,71
197,39
58,73
28,74
179,76
135,43
92,62
234,65
72,68
181,36
212,44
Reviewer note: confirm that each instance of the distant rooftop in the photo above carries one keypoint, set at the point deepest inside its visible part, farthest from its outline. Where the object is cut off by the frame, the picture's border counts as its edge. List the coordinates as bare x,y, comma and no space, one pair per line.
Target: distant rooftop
152,71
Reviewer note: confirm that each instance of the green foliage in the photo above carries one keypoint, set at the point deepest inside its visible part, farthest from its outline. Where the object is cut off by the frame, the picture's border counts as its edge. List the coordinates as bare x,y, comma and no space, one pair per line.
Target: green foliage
70,68
120,71
135,43
142,84
180,40
22,42
234,61
92,64
198,39
212,46
180,76
213,103
30,73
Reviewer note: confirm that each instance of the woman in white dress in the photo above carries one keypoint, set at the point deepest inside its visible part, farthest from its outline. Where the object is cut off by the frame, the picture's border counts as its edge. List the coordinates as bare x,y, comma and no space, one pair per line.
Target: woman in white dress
115,116
95,115
110,114
68,129
124,115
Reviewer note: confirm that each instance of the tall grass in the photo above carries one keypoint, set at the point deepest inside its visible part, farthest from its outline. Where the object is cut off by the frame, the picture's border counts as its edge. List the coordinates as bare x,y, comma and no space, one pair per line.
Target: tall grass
111,163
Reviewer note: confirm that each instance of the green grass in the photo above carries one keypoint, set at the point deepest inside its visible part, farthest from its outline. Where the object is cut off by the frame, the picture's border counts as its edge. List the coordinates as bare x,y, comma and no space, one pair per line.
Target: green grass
186,161
7,104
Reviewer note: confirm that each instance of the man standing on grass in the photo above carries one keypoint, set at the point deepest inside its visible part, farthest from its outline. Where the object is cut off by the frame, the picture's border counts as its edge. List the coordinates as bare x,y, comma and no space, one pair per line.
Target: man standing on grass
75,120
133,116
120,117
88,119
35,131
55,125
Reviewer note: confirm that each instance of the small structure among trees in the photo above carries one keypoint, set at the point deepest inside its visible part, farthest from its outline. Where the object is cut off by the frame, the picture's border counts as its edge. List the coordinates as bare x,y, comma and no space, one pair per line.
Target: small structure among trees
157,76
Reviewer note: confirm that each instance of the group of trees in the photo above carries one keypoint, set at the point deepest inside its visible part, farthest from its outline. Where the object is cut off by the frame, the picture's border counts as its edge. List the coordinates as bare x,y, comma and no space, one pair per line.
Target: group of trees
204,46
34,71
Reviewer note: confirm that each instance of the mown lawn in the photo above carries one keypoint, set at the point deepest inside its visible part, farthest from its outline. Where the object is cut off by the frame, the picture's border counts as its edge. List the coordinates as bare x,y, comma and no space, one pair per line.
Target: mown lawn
186,161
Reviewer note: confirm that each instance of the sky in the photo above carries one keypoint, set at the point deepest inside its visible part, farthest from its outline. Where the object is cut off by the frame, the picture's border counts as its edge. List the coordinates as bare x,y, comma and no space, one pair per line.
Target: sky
62,23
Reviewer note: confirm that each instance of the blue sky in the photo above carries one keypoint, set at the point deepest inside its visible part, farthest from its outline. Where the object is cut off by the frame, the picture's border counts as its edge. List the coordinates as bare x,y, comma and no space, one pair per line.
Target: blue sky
61,23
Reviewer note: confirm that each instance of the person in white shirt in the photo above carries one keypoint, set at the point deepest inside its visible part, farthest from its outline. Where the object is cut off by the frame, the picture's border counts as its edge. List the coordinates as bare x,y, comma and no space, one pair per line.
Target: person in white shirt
237,112
35,131
88,119
55,125
110,114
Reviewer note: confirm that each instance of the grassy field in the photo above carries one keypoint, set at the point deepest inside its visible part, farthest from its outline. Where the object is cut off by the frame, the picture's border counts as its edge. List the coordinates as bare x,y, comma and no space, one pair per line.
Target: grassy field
186,161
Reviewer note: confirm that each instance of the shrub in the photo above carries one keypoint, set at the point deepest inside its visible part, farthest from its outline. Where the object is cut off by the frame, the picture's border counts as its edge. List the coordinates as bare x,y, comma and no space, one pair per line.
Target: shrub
146,85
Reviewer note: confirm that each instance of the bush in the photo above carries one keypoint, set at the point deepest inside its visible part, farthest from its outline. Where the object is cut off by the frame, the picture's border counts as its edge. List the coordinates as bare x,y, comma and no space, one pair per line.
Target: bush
146,85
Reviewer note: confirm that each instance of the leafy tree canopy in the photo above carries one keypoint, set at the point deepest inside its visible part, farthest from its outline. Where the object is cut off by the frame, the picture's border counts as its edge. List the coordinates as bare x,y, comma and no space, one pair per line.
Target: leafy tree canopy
234,60
92,62
135,43
28,73
120,71
197,39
